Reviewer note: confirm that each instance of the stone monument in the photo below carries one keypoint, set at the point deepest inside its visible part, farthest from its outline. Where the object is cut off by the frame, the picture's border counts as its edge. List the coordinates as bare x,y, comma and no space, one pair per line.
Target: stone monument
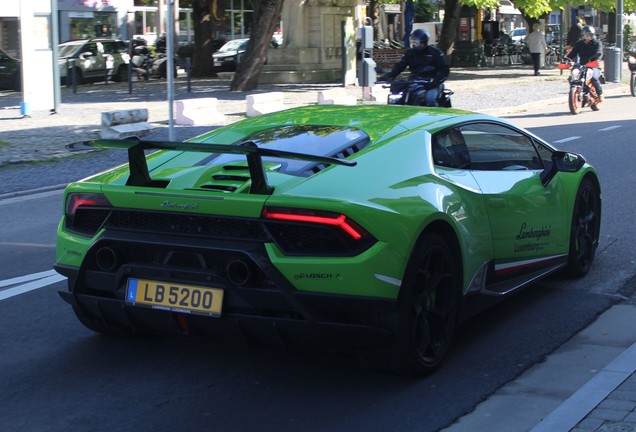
312,50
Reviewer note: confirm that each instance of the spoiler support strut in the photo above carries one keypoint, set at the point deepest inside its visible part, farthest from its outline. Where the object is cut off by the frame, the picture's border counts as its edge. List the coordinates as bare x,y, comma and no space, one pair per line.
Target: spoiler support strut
140,176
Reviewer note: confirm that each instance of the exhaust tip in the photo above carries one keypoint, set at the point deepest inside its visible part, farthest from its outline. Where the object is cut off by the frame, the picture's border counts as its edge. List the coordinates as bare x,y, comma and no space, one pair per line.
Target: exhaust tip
106,259
238,272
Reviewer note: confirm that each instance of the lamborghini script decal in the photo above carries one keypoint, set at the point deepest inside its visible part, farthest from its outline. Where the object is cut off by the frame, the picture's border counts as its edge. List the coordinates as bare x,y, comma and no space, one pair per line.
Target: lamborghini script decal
532,237
179,206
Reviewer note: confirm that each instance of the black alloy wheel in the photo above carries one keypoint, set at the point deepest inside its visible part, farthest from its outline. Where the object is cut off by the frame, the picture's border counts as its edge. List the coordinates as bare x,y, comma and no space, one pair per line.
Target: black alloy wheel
584,234
434,302
428,309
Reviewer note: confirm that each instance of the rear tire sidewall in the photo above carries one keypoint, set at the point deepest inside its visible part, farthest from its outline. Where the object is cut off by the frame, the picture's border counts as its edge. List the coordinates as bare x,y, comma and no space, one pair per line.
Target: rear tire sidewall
402,355
429,241
576,268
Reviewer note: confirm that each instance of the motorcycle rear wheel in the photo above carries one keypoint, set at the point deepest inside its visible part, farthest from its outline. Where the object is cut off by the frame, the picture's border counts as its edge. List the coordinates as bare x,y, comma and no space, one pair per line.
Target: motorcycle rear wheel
574,100
632,84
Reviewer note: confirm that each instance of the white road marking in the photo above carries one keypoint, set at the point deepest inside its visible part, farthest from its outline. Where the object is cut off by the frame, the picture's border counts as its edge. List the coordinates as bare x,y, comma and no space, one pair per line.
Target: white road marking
564,140
572,138
609,128
31,245
33,281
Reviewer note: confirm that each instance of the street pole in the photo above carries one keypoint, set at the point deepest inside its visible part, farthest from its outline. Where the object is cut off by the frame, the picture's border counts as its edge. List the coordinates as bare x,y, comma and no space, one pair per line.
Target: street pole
619,36
57,98
170,68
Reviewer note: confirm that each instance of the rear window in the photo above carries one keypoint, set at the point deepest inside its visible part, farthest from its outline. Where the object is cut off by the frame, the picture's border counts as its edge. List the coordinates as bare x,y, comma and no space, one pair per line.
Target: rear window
331,141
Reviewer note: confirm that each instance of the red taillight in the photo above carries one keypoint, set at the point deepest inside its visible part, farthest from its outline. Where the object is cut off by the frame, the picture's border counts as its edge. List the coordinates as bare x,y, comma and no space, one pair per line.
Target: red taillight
76,200
320,218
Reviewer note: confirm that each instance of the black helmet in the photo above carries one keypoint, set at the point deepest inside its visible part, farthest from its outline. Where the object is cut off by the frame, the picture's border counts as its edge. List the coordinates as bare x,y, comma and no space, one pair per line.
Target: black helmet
588,30
420,36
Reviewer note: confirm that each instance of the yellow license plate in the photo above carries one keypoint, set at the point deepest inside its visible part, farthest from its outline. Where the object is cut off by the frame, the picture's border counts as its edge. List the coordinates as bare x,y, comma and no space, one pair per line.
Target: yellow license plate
175,297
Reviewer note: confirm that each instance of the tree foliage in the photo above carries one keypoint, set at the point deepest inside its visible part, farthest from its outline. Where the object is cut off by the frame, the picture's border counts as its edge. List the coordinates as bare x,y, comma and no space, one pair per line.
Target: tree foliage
424,11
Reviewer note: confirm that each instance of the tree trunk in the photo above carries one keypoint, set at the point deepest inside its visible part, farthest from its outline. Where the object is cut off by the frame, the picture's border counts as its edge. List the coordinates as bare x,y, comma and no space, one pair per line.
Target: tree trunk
449,28
202,62
266,18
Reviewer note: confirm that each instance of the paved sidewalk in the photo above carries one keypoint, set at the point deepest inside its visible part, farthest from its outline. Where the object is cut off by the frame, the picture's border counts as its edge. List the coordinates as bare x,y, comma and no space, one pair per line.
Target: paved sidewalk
588,384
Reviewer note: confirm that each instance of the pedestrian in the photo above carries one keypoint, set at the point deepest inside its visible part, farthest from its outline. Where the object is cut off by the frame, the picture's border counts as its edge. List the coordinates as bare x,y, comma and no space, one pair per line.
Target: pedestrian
536,45
574,35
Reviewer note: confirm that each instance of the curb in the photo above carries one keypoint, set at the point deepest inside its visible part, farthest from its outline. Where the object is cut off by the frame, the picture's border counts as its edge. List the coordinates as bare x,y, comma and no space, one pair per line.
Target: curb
592,393
532,105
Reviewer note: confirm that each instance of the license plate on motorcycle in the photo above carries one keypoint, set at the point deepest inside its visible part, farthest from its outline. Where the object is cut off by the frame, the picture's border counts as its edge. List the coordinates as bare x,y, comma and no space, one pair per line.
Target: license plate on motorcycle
174,297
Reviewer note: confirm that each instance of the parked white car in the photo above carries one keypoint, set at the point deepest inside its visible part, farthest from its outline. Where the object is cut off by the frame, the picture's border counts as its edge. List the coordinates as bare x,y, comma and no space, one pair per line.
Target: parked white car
518,34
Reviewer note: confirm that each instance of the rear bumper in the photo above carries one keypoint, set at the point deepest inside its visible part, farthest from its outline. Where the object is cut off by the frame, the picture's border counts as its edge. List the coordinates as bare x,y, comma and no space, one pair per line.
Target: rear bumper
252,316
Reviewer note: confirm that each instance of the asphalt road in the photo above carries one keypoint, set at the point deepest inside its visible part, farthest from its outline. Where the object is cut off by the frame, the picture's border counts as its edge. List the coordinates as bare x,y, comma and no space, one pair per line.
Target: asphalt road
58,376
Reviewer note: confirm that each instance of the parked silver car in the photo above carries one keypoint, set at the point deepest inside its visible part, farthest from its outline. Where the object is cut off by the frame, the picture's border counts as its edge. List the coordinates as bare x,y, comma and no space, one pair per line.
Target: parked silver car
94,59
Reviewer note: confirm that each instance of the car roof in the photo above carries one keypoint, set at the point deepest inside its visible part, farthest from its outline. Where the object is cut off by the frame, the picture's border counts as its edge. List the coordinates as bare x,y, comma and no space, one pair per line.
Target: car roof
378,121
80,41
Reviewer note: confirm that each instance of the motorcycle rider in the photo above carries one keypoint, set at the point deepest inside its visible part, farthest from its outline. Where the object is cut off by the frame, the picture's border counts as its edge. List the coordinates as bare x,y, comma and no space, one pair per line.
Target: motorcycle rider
588,48
424,62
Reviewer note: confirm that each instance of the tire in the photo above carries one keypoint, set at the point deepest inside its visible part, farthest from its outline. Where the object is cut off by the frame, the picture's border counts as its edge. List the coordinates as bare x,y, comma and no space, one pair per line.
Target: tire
427,313
585,229
122,74
573,100
632,84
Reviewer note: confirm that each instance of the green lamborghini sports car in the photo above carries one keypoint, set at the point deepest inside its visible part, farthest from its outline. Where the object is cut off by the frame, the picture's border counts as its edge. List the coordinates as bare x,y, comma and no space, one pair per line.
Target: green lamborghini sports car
366,228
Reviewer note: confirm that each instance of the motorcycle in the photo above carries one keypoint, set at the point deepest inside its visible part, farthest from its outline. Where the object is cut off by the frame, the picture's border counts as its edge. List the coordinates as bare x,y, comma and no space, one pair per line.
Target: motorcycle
414,93
148,66
141,62
631,64
582,91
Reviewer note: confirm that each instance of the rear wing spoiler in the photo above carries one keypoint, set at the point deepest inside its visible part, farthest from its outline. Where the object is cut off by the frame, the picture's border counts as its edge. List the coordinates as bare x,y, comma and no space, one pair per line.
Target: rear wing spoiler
140,176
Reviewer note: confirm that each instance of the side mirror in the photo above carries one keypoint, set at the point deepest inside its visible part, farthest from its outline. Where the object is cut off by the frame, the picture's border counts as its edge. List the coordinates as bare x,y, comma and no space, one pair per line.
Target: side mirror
87,54
562,162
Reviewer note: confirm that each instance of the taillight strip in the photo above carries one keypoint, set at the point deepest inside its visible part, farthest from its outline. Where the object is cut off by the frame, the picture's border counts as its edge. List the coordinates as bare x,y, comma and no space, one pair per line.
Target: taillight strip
75,200
339,221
